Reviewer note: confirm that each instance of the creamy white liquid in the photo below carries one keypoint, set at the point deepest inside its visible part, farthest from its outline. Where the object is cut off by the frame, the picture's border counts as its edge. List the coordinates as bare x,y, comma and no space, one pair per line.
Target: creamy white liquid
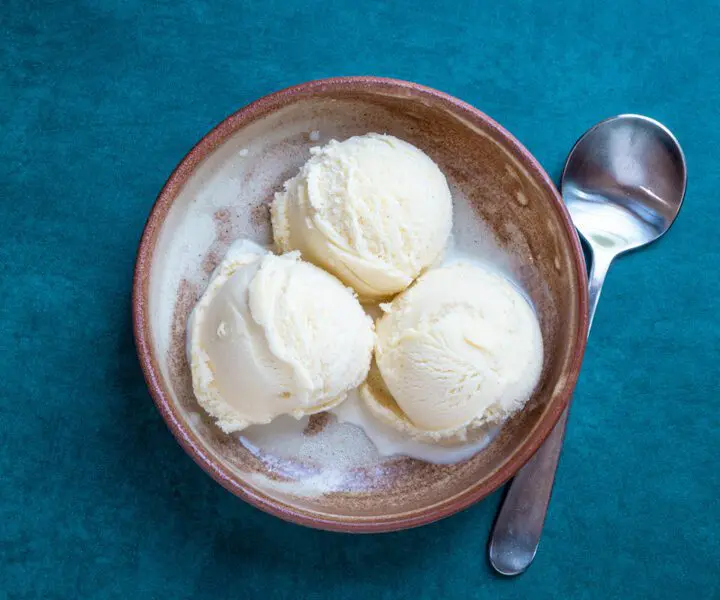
340,456
390,442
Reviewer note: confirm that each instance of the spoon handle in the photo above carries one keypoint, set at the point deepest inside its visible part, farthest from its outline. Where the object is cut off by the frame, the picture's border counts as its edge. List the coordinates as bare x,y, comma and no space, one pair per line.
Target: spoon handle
516,534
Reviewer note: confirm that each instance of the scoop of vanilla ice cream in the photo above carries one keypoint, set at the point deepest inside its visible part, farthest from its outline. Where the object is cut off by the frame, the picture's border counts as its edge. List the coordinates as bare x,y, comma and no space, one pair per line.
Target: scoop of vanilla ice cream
459,350
373,210
274,335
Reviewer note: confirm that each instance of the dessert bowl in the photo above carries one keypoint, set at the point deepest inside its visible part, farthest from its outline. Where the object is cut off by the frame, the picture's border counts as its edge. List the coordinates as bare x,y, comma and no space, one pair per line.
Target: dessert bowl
507,212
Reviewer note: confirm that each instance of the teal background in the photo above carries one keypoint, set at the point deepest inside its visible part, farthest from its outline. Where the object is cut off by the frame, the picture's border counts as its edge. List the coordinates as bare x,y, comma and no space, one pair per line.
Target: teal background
100,100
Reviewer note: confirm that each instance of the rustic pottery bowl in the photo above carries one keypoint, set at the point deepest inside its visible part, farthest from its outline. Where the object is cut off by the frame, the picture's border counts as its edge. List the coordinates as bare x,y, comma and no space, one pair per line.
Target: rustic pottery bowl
221,190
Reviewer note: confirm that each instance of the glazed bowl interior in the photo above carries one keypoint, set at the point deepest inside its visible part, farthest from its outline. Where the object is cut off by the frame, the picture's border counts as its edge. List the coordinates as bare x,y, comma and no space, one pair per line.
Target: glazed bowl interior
504,204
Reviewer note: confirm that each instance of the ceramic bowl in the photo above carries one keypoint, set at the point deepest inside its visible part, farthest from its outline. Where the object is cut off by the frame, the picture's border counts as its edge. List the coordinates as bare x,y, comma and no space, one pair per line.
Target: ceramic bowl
222,189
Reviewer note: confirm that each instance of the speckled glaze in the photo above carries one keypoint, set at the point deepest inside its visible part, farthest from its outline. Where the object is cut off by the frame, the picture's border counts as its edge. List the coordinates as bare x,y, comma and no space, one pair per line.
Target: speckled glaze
195,219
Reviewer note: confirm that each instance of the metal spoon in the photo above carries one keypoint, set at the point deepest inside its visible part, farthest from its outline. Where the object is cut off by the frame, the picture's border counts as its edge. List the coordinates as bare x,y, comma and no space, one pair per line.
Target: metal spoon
624,183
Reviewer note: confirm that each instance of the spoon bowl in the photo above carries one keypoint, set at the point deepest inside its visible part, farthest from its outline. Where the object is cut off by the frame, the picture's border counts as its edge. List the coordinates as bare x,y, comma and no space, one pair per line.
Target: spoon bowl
624,183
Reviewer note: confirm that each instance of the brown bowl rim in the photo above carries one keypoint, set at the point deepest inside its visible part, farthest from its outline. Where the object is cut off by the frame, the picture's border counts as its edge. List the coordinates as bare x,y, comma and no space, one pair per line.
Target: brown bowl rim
180,429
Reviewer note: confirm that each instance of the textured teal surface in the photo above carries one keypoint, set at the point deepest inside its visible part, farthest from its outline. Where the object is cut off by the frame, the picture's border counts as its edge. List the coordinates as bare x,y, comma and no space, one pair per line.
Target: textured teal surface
98,102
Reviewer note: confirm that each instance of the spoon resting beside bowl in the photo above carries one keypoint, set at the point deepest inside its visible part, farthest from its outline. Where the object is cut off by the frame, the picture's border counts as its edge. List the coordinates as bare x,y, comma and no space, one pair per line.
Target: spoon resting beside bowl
623,183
